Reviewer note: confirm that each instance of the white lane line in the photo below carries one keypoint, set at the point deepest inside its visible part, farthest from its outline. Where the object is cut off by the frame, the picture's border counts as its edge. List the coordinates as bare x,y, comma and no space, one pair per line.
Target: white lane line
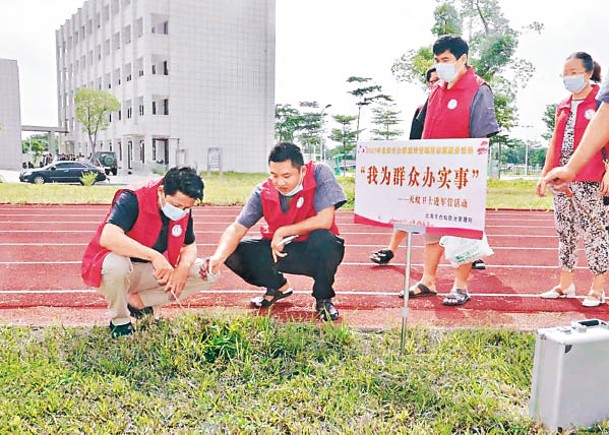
223,222
349,264
302,292
348,245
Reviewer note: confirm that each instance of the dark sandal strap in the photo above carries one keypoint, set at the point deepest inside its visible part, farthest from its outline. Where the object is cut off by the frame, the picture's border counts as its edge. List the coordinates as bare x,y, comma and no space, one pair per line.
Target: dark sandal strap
382,256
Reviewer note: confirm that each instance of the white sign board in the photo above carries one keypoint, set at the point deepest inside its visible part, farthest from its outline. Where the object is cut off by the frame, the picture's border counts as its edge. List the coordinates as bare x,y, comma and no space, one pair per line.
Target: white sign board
438,184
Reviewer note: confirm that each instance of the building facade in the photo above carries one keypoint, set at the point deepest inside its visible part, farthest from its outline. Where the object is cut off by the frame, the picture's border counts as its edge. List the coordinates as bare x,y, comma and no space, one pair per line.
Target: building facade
10,115
195,79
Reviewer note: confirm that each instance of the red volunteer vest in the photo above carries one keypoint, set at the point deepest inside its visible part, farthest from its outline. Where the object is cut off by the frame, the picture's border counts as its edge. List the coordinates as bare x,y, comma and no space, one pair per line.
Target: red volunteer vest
448,110
145,231
301,206
594,169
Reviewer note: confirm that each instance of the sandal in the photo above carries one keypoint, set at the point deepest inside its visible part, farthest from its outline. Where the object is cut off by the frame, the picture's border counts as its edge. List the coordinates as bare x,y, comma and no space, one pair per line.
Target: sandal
594,299
382,256
261,302
139,313
558,293
457,296
423,290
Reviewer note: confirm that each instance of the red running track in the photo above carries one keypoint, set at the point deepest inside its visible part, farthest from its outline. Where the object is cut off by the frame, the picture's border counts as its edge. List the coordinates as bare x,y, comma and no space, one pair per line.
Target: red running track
41,248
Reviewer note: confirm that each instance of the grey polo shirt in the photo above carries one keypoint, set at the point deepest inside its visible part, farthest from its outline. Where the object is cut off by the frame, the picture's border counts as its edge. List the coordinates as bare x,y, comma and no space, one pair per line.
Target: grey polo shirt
327,193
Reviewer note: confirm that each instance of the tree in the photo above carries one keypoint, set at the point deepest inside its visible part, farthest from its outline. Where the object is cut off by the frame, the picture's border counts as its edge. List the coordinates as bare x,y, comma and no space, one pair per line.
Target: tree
93,108
493,45
36,144
385,117
287,122
345,136
365,95
549,120
311,128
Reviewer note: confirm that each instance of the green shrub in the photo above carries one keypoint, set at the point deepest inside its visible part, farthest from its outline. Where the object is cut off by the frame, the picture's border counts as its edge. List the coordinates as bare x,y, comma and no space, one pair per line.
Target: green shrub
88,179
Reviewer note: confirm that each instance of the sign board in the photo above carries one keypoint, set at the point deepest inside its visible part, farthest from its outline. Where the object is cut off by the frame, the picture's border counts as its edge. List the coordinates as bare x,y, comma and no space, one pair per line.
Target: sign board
437,184
214,159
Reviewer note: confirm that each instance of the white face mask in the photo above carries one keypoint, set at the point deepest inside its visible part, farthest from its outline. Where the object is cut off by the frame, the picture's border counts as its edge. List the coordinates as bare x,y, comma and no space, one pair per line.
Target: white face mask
574,84
174,213
446,71
295,190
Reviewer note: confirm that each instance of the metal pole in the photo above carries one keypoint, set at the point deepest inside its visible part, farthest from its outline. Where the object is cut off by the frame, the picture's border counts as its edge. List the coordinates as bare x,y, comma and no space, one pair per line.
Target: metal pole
526,159
406,289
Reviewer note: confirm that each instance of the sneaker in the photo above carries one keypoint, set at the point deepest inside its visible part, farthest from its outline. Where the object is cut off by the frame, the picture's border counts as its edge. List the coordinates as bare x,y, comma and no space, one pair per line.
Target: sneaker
121,330
325,309
478,265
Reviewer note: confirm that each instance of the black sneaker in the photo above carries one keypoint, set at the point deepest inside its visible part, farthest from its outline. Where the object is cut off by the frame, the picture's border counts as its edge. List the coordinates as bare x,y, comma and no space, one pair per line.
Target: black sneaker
325,309
120,330
478,265
139,313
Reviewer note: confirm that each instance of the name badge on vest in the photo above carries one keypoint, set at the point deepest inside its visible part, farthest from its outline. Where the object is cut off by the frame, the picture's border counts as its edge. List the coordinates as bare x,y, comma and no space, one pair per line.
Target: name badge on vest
300,202
452,104
589,113
176,231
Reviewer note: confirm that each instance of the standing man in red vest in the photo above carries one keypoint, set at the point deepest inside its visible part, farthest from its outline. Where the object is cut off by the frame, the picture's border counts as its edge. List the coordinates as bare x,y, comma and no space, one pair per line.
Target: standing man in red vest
461,105
298,202
144,254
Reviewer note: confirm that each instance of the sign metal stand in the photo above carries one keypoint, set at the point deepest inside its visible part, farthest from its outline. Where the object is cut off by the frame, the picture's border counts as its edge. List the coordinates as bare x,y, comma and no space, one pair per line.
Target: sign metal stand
409,230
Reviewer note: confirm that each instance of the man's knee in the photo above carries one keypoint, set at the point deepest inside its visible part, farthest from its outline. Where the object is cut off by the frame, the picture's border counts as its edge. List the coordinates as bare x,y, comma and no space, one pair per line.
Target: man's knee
116,266
324,243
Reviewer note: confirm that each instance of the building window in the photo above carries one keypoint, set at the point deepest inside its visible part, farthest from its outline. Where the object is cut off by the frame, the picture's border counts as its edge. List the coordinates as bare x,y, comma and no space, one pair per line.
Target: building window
154,107
166,106
142,152
165,68
127,35
139,27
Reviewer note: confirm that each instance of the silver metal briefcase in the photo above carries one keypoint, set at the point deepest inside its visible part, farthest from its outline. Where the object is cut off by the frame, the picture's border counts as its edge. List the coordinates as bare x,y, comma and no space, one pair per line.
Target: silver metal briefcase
570,385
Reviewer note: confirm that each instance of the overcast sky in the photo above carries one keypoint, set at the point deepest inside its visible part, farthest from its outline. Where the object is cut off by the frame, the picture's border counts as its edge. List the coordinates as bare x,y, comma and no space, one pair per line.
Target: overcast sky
322,42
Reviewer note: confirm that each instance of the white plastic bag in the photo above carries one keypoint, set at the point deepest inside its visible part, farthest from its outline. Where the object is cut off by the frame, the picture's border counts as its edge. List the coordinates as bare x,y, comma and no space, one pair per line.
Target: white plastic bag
460,251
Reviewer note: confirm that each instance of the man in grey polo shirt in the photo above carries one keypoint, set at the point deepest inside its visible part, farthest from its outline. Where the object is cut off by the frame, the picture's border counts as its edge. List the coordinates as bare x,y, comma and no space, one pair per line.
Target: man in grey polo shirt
595,138
298,202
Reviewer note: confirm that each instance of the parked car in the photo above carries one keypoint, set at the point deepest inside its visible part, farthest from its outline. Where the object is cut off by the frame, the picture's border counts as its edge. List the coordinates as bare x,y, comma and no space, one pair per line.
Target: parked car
106,160
61,172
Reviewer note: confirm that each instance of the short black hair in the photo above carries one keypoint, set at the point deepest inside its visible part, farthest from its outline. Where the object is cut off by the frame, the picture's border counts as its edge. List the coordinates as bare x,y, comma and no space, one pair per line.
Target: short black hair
453,43
428,73
183,179
287,151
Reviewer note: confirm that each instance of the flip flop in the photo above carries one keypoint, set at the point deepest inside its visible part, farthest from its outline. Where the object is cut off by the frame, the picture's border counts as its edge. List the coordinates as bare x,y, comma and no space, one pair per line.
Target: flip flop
456,297
423,291
382,256
261,302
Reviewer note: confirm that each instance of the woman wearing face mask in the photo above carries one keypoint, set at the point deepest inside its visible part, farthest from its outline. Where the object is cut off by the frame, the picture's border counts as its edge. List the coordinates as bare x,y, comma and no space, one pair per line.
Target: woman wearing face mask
580,207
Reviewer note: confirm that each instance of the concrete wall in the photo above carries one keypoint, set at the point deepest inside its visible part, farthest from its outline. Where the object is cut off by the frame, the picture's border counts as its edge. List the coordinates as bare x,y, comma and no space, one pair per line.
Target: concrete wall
10,116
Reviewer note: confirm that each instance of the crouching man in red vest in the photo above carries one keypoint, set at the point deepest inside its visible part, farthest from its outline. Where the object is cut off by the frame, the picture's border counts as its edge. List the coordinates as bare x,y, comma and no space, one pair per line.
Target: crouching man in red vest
296,200
144,254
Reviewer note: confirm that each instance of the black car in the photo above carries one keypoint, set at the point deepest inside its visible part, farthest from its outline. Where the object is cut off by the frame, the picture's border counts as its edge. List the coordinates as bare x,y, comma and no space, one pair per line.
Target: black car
61,172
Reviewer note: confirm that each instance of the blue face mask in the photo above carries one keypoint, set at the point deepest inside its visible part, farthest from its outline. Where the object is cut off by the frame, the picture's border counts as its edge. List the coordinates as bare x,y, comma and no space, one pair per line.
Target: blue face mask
574,84
446,71
174,213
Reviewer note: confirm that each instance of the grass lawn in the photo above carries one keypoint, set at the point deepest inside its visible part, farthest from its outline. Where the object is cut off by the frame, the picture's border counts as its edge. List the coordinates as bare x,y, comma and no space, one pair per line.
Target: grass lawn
233,188
248,374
